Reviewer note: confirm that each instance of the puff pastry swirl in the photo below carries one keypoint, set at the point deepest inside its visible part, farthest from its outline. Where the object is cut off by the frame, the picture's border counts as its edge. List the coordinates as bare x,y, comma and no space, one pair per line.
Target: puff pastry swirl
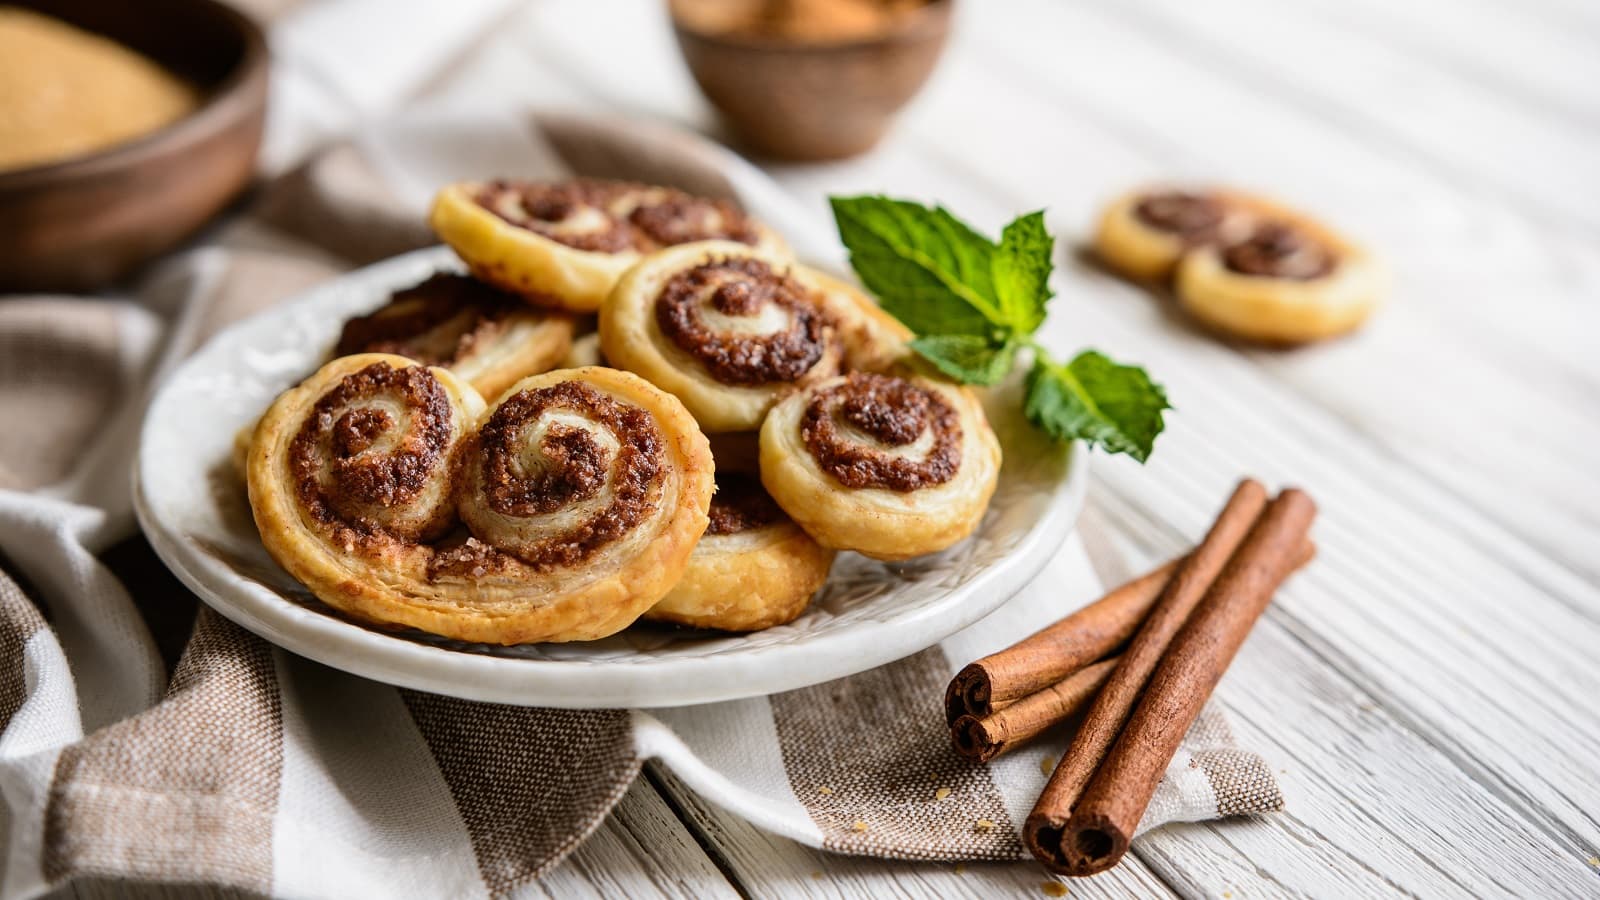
1289,280
890,467
1144,233
584,492
564,244
483,335
724,327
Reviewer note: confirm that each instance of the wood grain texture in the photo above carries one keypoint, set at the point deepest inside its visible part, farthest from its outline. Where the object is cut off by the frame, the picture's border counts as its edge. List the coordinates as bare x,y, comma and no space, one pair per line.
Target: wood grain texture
642,850
1423,683
1427,687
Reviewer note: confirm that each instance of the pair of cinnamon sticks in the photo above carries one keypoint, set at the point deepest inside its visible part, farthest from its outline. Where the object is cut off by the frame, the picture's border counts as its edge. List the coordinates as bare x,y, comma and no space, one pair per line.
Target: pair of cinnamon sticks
1178,629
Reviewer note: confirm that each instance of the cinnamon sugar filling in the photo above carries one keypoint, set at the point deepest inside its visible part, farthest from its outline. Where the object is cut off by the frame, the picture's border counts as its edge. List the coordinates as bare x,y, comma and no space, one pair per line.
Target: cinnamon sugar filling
741,504
1280,250
572,467
613,216
743,287
338,481
1193,217
893,412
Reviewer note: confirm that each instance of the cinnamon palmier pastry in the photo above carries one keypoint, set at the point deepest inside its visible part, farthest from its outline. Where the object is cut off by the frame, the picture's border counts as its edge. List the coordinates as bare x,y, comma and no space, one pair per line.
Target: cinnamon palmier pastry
482,334
584,492
352,472
1289,280
890,467
724,327
753,569
565,244
1144,233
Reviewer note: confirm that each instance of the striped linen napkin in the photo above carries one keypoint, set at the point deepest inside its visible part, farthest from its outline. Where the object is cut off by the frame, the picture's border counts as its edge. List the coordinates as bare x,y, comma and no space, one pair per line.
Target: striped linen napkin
245,766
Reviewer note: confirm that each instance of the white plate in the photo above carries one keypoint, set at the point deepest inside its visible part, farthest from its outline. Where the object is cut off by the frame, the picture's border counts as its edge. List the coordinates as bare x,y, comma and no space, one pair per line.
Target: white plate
193,508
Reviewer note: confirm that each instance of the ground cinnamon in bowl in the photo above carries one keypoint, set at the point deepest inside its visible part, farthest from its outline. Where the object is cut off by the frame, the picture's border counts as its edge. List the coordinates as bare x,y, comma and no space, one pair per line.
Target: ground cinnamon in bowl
65,92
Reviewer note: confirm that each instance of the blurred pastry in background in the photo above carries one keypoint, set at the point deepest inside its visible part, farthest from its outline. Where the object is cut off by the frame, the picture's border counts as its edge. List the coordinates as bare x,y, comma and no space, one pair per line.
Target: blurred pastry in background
1291,280
1144,233
564,244
65,92
1241,264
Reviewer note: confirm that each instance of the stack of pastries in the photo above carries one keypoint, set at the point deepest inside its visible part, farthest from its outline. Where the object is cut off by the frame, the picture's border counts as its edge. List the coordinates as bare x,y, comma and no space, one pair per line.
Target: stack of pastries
637,404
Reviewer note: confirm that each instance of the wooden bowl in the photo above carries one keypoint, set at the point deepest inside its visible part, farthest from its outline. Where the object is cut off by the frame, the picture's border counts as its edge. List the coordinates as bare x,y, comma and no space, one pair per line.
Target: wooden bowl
815,101
85,222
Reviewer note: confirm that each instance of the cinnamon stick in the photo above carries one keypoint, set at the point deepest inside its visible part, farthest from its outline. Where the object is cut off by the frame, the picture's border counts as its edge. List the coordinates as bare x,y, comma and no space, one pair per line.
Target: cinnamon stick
1017,722
1043,829
1103,821
984,739
1055,652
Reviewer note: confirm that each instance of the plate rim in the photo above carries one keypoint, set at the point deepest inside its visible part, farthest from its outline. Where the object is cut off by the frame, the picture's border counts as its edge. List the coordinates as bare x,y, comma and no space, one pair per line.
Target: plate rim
369,653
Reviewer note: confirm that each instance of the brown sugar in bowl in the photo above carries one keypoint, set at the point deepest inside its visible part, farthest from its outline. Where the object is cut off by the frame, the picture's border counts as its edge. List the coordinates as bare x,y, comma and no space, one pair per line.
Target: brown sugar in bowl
85,222
806,99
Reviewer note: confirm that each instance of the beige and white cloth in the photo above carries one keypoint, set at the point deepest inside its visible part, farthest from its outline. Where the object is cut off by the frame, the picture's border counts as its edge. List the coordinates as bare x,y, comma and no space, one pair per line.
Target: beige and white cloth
144,737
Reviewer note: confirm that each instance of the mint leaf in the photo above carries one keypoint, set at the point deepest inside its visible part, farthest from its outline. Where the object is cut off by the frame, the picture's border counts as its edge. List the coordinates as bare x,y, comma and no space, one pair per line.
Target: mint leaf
933,272
929,269
967,358
1096,400
973,303
1022,267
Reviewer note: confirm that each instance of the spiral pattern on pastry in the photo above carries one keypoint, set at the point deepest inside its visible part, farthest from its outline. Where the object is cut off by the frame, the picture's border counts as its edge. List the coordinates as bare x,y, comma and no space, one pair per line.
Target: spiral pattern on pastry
585,491
723,327
483,335
374,456
753,569
584,488
1289,279
890,467
354,469
1143,234
566,243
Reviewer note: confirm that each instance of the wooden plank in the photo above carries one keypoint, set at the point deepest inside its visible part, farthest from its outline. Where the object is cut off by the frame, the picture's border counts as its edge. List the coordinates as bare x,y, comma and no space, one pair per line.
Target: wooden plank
642,850
1538,60
1436,394
1185,120
780,868
1358,82
1580,16
1374,807
1160,343
1528,758
1405,619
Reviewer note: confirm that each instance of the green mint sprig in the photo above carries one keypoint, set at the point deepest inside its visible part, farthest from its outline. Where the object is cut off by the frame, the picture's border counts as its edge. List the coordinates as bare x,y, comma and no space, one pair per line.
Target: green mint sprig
974,304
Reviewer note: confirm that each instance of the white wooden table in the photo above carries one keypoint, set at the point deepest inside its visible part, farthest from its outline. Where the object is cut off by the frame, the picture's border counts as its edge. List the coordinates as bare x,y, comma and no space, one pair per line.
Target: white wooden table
1429,688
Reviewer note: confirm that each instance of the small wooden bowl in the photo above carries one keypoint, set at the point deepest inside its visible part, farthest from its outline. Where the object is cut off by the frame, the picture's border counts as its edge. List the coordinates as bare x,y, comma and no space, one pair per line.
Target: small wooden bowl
815,101
85,222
